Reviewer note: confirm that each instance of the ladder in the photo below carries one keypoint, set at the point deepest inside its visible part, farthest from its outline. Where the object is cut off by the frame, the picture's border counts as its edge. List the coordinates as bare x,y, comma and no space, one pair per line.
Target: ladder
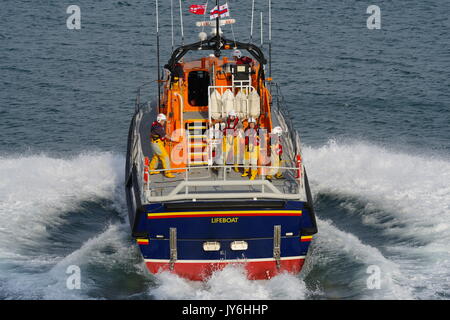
197,149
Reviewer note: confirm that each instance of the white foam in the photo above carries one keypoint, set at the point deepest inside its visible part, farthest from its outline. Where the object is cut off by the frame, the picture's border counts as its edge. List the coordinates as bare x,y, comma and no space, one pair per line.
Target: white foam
52,284
413,190
36,192
332,246
231,283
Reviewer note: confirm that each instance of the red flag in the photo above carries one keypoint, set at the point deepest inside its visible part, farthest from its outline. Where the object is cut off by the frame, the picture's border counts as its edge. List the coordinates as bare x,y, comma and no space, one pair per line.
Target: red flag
221,12
197,8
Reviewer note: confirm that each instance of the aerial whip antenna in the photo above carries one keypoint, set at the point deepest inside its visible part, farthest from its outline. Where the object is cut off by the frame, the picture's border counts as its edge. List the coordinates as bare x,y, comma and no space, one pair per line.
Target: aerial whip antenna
262,39
232,30
181,21
270,38
171,21
251,24
157,50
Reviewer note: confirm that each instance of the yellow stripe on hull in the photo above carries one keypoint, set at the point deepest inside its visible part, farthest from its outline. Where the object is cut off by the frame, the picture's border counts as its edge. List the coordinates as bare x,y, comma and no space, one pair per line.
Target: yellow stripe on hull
200,213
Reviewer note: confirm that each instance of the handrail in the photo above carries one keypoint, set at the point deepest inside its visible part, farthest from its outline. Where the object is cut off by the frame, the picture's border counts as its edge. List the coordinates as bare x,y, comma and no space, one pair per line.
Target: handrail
281,107
176,192
268,189
225,166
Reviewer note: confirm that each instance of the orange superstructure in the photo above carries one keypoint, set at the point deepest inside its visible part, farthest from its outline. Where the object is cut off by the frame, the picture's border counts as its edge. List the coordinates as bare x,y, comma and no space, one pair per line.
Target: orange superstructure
185,102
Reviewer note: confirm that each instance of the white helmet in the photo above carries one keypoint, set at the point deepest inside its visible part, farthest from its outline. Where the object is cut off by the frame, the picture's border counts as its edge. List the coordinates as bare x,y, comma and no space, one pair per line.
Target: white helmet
161,117
232,113
237,53
251,120
278,131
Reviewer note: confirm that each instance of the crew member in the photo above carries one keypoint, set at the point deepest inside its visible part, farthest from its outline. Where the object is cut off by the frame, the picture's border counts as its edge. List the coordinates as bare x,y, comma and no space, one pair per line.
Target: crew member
230,137
157,137
178,70
177,73
251,149
240,59
276,153
216,137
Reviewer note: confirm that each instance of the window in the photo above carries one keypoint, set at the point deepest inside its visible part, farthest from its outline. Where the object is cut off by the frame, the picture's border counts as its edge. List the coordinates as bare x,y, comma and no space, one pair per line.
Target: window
198,82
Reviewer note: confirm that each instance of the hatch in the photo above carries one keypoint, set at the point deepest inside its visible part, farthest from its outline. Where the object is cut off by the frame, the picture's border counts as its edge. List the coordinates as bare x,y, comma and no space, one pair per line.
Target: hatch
198,82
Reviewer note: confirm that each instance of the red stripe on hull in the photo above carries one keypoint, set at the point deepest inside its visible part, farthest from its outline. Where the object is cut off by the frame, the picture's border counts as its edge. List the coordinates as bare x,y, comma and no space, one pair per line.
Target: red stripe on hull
256,270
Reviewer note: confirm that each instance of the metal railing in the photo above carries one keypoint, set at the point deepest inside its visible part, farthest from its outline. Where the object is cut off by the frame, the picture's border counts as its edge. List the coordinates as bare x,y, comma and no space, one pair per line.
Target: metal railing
137,156
187,188
224,187
281,111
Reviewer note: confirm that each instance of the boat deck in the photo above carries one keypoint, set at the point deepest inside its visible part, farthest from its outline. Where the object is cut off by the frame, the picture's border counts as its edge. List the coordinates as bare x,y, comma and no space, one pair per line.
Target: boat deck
211,180
160,185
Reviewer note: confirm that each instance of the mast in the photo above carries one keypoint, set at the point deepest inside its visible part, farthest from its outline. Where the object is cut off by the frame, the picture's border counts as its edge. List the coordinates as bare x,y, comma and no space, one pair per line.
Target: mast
217,51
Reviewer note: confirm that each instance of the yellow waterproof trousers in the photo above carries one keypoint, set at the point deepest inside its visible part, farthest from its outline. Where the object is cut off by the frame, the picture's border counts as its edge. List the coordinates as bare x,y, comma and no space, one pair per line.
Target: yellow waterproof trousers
251,157
275,162
251,161
159,153
230,145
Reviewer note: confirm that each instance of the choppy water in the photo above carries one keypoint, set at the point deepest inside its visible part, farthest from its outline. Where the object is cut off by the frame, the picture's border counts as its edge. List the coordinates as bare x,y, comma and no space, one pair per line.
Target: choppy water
372,106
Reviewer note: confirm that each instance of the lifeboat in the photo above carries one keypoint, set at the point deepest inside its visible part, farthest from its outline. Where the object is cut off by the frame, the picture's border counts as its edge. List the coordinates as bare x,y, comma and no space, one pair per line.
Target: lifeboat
210,214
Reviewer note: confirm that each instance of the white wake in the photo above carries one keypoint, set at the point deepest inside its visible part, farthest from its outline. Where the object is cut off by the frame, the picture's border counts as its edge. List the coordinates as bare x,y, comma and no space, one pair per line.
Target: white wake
37,191
413,189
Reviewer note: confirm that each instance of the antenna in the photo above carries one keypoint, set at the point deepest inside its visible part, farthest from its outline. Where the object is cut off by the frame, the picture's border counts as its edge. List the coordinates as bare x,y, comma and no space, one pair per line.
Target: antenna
251,25
157,49
181,22
262,39
270,38
171,21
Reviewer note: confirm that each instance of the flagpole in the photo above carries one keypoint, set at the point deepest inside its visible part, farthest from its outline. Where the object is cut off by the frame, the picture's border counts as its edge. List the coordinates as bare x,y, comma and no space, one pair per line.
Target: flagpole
217,53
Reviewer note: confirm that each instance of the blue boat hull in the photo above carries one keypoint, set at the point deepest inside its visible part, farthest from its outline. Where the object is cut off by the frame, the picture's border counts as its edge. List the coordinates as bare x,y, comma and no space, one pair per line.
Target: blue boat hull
211,222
